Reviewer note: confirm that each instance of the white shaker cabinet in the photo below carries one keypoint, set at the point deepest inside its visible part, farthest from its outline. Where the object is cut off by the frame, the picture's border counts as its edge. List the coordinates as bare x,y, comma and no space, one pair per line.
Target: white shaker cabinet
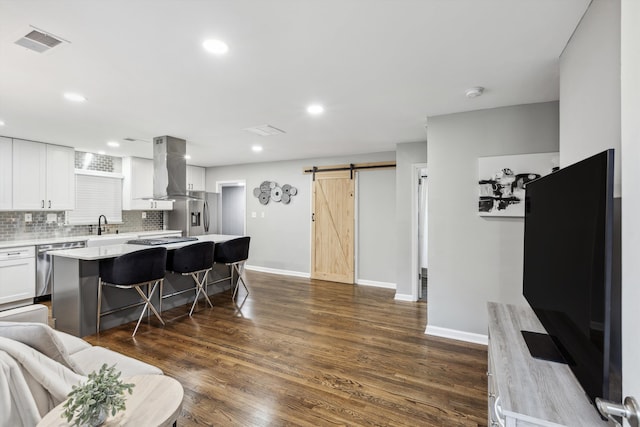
137,186
195,178
61,180
43,176
6,173
17,276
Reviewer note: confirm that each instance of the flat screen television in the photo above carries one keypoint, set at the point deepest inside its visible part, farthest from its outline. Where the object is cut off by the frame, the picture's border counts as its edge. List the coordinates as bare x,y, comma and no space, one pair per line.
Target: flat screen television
569,278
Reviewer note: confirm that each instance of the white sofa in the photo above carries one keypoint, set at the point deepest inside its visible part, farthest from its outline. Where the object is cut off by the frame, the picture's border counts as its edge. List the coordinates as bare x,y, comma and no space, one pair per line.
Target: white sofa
39,365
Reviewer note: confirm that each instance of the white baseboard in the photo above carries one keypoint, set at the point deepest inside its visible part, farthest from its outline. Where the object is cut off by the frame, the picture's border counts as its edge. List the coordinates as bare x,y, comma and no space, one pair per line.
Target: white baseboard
387,285
277,271
454,334
405,297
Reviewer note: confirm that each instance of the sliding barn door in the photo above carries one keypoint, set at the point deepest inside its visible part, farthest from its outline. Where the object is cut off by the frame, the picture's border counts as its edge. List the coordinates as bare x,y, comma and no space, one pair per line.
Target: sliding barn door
332,229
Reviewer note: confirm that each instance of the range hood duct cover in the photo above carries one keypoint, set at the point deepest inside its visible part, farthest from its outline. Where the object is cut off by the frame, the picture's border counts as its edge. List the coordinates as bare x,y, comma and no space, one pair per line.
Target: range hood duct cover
170,169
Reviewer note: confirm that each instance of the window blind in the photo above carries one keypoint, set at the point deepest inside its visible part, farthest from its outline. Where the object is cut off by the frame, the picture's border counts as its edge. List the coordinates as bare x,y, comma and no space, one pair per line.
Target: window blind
97,194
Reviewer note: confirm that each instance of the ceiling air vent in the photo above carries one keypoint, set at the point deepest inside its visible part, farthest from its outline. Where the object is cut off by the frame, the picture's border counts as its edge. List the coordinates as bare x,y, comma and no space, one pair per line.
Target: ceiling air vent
135,139
265,130
39,41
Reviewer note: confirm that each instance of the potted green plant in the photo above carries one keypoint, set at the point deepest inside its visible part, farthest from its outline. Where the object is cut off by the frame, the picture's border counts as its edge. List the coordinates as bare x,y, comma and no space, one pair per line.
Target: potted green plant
89,404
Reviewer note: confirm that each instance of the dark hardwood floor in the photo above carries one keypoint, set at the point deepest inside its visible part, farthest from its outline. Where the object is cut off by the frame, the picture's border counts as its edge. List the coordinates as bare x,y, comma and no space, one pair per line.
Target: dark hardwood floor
311,353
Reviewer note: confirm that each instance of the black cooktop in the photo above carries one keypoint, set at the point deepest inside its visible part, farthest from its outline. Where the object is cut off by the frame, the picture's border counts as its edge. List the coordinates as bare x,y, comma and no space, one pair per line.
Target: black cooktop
161,241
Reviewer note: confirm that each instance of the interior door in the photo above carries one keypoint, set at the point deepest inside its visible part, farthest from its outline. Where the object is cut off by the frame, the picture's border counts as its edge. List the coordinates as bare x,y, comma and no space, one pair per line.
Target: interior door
332,229
233,205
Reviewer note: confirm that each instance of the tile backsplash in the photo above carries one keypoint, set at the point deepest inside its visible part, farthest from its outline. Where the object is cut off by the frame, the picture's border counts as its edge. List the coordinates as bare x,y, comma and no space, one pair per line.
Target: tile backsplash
97,162
14,227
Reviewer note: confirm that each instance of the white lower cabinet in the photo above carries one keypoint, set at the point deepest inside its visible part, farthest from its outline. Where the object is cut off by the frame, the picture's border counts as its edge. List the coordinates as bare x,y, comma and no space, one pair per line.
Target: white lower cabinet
17,276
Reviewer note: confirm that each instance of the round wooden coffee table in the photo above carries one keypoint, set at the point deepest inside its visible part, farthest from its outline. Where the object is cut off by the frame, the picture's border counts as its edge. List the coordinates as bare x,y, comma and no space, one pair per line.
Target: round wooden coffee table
156,401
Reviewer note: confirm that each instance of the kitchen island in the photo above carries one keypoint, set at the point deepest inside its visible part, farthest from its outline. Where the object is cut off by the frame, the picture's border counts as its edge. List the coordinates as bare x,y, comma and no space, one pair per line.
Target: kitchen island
74,297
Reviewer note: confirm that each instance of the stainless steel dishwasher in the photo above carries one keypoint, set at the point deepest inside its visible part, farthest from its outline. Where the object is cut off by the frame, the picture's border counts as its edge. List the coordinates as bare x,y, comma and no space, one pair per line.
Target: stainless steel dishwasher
44,267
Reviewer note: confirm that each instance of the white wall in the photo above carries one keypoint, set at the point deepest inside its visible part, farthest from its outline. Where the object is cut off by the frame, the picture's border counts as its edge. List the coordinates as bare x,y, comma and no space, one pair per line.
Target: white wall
376,226
630,147
590,87
407,155
604,54
475,259
281,240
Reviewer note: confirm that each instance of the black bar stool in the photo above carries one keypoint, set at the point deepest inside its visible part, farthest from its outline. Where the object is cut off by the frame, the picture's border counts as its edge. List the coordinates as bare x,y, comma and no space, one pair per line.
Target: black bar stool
132,271
192,260
233,253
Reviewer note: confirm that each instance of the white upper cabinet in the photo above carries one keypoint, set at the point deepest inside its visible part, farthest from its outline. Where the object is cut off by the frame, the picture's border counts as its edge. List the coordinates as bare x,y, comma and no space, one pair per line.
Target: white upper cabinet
195,178
61,180
138,184
43,176
6,173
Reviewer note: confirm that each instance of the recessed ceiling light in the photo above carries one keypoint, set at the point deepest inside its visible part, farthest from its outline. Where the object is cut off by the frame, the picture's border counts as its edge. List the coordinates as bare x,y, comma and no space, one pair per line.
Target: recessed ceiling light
75,97
113,144
217,47
101,152
187,157
1,123
257,148
474,92
315,109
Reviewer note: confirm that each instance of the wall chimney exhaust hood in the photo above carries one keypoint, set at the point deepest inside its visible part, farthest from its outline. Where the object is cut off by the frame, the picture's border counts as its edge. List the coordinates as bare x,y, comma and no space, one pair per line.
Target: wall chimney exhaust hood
170,169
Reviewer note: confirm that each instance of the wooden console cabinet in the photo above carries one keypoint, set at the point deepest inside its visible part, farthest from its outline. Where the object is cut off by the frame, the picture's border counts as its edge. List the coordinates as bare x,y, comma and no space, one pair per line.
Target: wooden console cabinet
524,391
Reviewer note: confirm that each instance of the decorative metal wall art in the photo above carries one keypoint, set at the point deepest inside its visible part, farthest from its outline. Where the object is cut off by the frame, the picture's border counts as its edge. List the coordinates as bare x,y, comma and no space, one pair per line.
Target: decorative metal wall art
270,190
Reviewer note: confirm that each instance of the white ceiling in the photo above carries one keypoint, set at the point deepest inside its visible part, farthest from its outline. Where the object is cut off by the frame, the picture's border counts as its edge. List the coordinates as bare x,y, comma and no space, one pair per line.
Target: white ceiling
379,67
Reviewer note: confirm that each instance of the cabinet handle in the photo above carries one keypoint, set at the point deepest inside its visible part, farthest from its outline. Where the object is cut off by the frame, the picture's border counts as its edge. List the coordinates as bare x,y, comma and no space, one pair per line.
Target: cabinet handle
49,204
42,204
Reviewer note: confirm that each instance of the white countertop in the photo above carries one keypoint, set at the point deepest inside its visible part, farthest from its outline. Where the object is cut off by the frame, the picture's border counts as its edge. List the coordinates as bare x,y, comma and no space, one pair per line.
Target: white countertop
112,251
49,240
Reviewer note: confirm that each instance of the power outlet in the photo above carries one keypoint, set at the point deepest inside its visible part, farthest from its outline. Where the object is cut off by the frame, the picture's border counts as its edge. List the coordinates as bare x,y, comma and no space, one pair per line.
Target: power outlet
254,214
144,215
28,217
52,217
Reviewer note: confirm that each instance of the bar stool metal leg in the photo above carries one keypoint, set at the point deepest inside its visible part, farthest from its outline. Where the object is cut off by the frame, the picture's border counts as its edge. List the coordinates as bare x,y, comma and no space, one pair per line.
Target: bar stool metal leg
200,285
147,305
239,268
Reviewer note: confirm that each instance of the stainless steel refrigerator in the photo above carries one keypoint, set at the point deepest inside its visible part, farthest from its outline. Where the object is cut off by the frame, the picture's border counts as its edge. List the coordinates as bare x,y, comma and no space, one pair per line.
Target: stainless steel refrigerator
195,217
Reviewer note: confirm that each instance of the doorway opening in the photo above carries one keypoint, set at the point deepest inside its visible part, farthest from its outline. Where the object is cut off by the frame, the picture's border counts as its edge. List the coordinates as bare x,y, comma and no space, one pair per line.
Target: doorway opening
419,233
232,207
422,234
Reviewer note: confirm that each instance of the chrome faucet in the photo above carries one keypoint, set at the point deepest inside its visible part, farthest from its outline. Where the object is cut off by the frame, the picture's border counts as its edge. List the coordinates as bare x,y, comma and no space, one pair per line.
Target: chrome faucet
99,225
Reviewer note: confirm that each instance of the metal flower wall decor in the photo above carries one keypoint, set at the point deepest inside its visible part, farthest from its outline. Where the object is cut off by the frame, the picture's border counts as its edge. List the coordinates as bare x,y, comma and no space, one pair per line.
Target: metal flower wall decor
270,190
